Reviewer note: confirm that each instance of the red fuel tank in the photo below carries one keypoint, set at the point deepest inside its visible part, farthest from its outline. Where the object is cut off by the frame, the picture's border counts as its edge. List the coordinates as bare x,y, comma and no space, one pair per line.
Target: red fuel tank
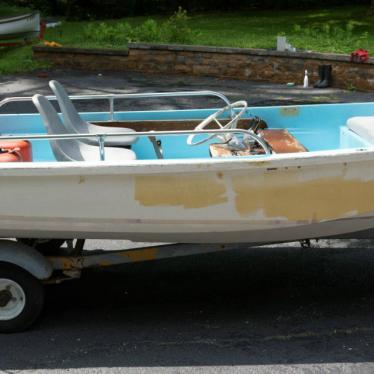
19,149
9,157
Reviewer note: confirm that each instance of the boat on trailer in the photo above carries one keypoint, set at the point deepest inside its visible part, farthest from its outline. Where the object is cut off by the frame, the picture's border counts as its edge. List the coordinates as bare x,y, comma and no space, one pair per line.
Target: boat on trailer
212,179
307,175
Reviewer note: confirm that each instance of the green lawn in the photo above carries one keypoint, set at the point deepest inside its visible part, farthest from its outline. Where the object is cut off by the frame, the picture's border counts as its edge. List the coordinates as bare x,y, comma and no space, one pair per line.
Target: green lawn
339,29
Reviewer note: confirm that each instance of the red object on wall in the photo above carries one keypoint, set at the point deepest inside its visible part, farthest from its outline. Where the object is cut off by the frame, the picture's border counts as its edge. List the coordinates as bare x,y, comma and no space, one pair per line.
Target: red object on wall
43,26
360,55
12,151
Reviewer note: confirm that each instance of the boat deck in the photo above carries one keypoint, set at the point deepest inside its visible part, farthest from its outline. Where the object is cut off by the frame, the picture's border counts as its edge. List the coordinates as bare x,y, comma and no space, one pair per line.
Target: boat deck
317,128
314,127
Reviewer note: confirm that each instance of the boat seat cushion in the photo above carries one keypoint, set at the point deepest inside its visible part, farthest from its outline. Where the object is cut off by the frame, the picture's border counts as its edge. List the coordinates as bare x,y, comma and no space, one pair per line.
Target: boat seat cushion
362,126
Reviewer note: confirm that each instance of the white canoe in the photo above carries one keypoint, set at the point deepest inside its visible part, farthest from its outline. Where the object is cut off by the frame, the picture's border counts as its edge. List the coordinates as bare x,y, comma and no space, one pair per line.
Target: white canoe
26,26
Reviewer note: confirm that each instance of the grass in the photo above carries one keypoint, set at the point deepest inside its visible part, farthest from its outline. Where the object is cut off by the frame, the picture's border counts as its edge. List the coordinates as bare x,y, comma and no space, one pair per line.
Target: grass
259,29
340,30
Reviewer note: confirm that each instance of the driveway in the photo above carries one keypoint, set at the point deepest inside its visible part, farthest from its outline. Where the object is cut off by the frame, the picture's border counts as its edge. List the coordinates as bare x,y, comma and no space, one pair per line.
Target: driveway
254,93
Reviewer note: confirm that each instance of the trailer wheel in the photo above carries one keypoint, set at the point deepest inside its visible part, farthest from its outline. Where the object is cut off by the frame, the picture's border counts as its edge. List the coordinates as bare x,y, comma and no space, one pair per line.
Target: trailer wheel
21,298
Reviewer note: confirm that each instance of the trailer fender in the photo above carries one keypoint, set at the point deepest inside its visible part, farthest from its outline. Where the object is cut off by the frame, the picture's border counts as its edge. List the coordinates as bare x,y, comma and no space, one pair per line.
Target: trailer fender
25,257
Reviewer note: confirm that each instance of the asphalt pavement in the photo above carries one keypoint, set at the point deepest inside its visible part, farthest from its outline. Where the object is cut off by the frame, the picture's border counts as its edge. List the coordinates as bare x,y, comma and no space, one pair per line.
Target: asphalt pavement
271,309
78,82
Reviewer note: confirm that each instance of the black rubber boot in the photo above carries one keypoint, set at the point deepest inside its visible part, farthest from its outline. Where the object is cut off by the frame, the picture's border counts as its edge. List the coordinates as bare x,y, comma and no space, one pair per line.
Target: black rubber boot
321,77
327,77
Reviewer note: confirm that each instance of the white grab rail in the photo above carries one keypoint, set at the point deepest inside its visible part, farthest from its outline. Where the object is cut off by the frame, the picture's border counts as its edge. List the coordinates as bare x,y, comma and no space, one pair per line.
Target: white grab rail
112,97
101,137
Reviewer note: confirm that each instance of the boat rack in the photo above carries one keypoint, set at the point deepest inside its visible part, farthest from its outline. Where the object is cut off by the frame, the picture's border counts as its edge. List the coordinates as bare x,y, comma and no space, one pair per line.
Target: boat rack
113,97
70,266
25,269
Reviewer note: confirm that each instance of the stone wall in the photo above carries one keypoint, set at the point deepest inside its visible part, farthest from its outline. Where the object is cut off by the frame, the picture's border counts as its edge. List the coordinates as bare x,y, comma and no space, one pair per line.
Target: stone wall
221,62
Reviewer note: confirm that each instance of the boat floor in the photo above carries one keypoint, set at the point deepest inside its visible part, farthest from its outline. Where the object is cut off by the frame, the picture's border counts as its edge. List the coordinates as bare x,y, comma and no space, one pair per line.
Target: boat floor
163,125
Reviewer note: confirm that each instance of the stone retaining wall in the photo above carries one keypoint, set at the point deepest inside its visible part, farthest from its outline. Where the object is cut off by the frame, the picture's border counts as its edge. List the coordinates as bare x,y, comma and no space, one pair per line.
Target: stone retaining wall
220,62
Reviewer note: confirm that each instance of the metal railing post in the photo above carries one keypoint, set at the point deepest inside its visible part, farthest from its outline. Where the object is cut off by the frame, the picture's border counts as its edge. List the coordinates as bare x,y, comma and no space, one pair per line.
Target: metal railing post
101,138
111,107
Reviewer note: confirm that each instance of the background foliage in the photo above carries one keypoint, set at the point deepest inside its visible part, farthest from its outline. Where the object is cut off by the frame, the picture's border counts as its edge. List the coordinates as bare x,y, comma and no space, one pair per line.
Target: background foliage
99,9
114,23
175,29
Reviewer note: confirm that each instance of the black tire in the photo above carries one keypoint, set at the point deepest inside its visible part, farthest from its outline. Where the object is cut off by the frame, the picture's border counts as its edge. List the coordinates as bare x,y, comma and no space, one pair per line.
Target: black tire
43,245
34,298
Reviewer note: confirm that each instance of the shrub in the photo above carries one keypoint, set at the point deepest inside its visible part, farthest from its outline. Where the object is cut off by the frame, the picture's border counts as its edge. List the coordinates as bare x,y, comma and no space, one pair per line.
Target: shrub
173,30
149,31
176,29
104,33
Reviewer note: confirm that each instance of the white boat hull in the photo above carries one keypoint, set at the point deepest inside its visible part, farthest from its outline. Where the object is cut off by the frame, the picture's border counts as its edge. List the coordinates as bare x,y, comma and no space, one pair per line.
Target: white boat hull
282,198
25,26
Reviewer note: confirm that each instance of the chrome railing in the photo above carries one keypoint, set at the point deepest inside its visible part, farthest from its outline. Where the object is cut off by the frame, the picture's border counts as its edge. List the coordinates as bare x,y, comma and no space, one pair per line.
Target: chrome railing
112,97
101,136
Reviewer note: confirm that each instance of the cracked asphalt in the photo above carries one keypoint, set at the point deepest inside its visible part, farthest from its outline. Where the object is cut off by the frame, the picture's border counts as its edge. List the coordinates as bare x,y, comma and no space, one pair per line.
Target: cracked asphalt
271,309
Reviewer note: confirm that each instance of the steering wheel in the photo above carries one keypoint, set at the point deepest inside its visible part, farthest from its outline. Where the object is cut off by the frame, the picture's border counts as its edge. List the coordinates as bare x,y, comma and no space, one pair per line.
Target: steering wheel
214,117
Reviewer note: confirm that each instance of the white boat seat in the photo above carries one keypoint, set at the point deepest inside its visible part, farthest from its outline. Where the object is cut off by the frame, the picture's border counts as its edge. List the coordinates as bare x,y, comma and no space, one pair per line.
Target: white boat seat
362,126
75,124
72,149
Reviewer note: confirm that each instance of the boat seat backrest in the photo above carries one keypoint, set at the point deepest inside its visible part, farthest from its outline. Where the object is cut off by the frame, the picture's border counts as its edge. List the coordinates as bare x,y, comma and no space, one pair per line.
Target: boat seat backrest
64,149
362,126
75,124
72,119
73,149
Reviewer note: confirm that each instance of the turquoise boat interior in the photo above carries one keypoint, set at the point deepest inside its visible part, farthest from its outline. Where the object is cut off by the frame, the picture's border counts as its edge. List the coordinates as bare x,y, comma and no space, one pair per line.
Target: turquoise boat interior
316,127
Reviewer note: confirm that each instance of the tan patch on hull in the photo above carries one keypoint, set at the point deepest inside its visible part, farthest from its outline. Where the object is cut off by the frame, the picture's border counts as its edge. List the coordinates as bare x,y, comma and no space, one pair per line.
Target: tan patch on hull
188,191
285,195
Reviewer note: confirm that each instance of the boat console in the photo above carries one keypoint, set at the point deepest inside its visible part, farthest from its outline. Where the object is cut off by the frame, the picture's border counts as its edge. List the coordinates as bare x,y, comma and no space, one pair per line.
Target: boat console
279,141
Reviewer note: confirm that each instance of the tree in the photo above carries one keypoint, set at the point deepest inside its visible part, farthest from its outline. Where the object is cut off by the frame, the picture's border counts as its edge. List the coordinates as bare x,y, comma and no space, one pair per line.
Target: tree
371,8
